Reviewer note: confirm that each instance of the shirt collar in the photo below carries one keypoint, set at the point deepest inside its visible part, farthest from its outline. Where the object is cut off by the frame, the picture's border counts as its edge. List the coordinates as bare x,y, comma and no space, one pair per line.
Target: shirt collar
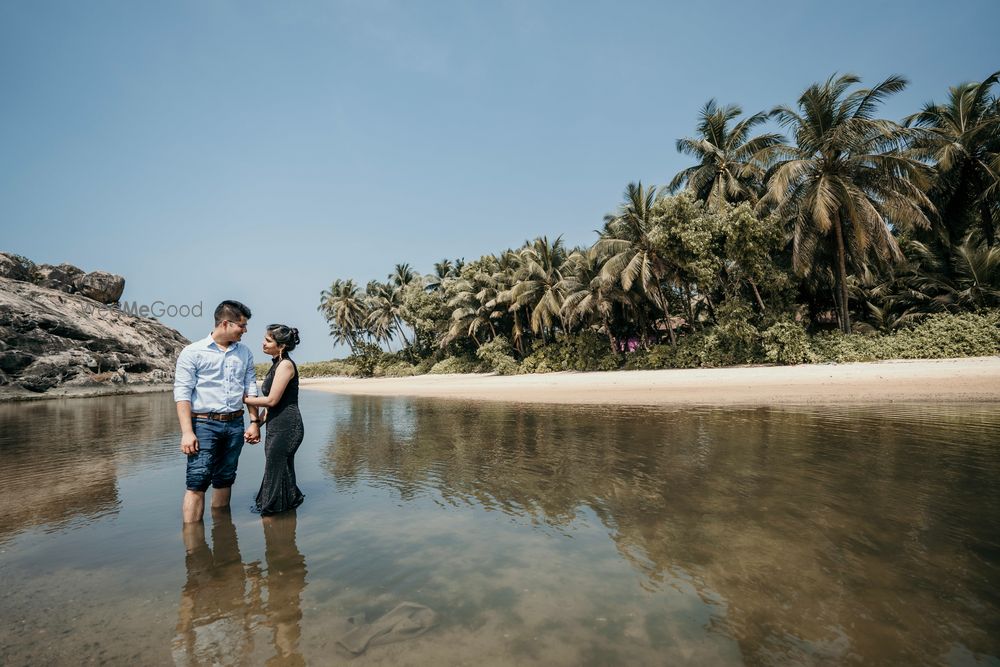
210,343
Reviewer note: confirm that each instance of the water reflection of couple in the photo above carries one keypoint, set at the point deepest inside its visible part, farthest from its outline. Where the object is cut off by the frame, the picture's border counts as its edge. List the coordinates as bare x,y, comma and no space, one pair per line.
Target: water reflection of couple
214,379
224,600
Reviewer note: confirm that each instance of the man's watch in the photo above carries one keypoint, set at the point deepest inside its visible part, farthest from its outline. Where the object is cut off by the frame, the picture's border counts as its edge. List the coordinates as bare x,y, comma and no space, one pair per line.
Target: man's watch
255,421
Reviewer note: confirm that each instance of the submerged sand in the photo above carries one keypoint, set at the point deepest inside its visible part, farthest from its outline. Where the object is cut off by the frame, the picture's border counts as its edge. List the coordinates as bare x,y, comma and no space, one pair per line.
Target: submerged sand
953,380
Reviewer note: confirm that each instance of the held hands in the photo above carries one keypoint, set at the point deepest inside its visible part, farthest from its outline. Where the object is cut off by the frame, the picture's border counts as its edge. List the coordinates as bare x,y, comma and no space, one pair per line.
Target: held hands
252,434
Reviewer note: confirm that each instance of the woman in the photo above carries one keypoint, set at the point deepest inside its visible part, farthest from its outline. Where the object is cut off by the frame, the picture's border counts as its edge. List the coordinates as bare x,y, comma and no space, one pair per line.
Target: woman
280,395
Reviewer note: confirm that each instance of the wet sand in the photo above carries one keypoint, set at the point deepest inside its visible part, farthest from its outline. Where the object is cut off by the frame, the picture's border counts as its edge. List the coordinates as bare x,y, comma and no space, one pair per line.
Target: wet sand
973,379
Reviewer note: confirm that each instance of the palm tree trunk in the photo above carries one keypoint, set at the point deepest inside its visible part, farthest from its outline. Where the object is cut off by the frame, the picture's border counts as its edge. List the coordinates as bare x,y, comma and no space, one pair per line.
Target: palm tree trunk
403,333
835,293
838,232
986,222
756,293
666,312
711,307
611,339
689,304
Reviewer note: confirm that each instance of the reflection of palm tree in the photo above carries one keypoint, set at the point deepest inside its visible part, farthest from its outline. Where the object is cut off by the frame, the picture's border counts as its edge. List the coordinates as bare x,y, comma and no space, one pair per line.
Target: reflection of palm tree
286,578
736,505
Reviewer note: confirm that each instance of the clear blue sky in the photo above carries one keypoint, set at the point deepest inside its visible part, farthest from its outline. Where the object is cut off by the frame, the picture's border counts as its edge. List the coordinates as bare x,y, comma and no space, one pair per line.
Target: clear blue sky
258,150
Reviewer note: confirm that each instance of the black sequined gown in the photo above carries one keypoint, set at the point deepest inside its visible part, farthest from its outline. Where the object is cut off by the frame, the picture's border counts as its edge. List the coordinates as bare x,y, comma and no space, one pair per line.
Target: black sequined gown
278,491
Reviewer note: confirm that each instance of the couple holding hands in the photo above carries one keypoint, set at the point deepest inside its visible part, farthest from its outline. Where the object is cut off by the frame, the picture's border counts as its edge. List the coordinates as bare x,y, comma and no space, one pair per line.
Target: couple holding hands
214,379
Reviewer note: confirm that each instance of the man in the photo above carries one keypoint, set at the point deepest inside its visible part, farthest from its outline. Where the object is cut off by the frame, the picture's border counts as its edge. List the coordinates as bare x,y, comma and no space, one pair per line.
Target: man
213,374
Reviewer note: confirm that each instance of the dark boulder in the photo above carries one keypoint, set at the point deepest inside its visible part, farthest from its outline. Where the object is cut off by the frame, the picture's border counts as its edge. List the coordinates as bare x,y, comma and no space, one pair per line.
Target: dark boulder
100,286
13,361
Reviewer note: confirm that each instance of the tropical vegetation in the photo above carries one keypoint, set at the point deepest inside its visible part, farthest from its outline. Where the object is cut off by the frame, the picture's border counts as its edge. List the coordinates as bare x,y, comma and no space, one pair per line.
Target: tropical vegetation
839,236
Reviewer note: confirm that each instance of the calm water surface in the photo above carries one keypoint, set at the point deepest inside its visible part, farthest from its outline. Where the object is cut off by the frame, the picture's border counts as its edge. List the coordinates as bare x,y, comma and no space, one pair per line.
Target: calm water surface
541,535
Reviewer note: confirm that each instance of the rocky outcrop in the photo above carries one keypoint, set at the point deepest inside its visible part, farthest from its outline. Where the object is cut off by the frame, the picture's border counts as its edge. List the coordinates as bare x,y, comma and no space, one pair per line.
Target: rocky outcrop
16,267
100,286
57,330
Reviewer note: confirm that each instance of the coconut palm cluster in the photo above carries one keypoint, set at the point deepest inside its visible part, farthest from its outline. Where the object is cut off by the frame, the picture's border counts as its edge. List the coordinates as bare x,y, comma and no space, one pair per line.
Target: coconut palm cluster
837,219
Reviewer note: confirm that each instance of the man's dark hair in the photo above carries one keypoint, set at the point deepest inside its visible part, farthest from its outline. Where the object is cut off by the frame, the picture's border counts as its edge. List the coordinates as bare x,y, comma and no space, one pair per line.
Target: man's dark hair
232,311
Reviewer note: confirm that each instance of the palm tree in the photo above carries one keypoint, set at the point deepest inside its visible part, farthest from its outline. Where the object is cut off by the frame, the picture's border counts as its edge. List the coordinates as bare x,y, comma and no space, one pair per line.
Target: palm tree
443,270
402,275
731,164
474,308
587,296
537,288
633,258
384,320
962,138
344,309
971,283
845,181
505,276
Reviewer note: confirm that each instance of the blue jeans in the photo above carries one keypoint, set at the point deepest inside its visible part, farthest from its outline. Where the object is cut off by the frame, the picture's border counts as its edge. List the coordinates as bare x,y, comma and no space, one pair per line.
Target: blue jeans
219,447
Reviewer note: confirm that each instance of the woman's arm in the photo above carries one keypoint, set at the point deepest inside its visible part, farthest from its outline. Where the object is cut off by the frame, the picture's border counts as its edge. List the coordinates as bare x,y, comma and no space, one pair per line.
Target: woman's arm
283,374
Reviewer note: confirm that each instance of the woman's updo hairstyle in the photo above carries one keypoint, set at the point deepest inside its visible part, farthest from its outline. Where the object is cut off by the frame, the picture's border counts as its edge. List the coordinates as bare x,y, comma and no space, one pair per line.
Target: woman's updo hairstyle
284,335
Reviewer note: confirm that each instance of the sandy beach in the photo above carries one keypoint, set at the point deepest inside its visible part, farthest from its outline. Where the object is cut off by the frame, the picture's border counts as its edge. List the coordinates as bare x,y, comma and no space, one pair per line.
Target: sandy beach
974,379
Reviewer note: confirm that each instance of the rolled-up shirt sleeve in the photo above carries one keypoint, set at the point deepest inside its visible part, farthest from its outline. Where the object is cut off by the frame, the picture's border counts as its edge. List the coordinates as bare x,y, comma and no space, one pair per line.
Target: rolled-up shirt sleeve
184,377
250,380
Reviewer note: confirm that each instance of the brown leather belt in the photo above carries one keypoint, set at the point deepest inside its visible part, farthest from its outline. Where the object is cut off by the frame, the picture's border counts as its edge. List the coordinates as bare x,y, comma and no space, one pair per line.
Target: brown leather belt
218,416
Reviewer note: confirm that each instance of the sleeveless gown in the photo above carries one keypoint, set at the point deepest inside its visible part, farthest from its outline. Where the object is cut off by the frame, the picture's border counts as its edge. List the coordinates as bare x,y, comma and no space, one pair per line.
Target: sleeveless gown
278,491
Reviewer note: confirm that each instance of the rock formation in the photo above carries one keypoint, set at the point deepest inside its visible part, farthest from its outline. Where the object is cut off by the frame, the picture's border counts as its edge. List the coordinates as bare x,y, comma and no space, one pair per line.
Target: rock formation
61,327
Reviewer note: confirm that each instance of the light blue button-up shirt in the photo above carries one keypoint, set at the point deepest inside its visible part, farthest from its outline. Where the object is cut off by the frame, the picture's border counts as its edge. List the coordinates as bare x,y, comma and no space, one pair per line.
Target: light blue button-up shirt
213,379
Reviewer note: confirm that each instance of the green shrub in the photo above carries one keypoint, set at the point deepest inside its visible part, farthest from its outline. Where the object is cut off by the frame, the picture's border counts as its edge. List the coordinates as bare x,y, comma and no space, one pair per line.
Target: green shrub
398,369
944,336
424,366
496,355
734,340
691,351
845,348
455,365
786,343
313,369
366,358
939,336
585,351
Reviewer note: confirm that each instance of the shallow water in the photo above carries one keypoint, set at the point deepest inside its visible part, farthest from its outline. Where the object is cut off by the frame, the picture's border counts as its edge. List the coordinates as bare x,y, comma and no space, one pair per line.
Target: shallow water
540,535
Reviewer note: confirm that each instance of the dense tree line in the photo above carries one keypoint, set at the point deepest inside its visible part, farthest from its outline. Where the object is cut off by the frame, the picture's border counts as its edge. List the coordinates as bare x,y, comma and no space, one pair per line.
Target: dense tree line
845,221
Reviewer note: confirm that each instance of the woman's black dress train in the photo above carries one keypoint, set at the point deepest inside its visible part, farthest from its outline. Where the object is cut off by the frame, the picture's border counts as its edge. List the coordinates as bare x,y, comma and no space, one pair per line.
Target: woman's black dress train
278,491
